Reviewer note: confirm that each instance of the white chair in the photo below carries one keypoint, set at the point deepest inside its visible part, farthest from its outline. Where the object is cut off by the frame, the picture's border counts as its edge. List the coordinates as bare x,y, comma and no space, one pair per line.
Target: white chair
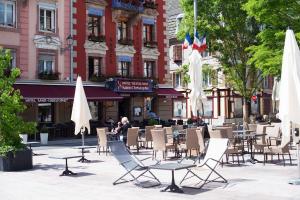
214,154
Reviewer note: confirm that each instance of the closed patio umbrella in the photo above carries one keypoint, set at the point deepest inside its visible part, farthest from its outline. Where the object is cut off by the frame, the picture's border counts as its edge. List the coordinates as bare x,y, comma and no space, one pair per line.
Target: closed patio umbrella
197,95
81,114
289,94
275,93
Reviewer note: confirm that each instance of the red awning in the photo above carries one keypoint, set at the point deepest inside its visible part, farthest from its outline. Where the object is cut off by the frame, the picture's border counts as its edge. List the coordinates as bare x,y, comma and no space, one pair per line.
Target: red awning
63,93
169,93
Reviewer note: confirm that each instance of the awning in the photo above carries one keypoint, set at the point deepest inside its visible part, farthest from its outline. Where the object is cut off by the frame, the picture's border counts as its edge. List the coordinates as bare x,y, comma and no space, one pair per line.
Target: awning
169,93
63,93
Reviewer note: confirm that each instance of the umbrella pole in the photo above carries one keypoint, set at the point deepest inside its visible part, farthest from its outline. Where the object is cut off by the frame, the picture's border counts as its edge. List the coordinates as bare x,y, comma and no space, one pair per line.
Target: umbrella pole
82,136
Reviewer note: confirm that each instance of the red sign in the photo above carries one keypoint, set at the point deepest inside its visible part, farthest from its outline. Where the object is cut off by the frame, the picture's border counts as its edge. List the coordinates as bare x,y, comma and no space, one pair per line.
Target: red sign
123,85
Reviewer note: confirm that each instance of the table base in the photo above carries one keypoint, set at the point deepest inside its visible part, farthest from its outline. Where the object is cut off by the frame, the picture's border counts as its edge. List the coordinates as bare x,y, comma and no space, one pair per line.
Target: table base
173,187
67,172
83,159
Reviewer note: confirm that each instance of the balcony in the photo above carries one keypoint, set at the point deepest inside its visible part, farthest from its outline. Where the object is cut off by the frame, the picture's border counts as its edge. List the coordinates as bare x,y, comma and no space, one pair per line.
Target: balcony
131,5
98,78
125,41
150,44
48,75
150,5
98,38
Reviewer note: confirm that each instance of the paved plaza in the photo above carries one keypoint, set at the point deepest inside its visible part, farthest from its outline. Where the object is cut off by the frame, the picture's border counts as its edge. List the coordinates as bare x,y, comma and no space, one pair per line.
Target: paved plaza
94,180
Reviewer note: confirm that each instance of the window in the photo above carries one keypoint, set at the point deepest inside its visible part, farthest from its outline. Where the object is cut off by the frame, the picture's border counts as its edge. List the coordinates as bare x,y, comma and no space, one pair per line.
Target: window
206,79
45,112
123,68
204,54
178,21
148,33
177,53
177,80
122,30
94,28
149,69
8,13
94,108
47,19
266,83
94,67
46,64
179,109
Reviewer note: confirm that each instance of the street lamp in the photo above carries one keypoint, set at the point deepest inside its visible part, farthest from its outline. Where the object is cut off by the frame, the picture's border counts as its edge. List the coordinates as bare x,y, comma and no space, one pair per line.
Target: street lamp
69,43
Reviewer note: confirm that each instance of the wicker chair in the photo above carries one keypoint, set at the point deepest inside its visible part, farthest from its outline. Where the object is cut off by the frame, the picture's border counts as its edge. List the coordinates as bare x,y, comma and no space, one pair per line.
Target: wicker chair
191,142
102,140
132,138
159,142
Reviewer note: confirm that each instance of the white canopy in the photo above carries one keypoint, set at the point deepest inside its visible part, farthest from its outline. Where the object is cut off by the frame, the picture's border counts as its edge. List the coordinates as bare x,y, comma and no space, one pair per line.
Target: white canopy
81,114
289,94
197,96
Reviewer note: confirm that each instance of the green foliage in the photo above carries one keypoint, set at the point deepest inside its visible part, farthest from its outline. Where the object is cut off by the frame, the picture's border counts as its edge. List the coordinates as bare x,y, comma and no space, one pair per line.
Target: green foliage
44,129
275,17
184,69
152,122
208,71
11,105
230,31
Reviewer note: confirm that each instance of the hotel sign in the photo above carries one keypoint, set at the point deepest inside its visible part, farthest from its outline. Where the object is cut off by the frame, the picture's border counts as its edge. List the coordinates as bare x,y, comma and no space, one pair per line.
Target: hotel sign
127,85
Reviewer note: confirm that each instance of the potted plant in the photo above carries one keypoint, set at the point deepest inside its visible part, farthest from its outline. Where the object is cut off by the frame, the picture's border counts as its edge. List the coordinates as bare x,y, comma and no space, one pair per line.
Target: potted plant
14,155
44,132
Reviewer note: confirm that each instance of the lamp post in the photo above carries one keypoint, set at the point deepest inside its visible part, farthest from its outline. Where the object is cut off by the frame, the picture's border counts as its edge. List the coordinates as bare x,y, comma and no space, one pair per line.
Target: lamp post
69,45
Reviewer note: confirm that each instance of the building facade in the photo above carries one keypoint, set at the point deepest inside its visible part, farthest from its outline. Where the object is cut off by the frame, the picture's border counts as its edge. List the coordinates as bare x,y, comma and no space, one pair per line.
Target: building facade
118,47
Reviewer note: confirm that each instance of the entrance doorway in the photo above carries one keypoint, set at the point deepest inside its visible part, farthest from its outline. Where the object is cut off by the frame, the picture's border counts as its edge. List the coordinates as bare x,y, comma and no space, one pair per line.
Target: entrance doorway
124,108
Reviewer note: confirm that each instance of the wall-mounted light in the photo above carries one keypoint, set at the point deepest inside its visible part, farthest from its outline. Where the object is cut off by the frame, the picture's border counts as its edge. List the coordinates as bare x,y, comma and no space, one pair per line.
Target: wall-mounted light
69,42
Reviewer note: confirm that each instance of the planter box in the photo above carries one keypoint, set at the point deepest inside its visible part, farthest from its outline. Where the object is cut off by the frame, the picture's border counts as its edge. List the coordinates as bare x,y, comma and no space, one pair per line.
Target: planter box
21,160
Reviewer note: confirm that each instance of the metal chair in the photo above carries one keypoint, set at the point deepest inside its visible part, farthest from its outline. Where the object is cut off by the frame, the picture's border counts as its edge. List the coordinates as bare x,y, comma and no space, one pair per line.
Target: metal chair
131,164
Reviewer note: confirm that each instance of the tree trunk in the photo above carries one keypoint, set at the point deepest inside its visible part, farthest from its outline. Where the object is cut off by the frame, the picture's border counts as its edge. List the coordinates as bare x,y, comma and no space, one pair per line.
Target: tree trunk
245,111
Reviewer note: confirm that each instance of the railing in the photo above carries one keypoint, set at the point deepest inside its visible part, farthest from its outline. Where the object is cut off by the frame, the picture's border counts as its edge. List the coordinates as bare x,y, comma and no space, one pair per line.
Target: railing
150,5
150,44
94,38
98,78
125,41
49,75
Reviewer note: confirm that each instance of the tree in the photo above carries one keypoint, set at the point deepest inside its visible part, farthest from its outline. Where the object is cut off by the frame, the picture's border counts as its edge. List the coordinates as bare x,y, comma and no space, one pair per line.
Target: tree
11,105
230,32
275,16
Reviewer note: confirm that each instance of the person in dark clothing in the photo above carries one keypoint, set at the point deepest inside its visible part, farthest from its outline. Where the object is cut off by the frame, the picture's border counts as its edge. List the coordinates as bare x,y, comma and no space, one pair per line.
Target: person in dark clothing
124,129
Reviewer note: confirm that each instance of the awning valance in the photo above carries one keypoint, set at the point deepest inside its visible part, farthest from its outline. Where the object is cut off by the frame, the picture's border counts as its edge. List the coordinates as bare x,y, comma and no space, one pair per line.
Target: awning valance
168,93
63,93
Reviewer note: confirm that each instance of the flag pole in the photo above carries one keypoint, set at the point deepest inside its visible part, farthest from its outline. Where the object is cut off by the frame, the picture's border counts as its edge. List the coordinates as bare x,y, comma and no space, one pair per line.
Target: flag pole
195,17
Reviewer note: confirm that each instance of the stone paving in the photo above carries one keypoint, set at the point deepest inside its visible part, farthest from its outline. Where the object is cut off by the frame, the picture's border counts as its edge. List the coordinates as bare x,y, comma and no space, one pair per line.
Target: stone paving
94,181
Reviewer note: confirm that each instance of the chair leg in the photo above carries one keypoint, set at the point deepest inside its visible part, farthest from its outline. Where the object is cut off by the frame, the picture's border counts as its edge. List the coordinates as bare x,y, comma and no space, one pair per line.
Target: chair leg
290,159
283,159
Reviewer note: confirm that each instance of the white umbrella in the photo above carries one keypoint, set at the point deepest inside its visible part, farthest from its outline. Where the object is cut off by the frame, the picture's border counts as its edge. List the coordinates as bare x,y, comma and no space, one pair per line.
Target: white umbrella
275,93
197,96
81,114
289,94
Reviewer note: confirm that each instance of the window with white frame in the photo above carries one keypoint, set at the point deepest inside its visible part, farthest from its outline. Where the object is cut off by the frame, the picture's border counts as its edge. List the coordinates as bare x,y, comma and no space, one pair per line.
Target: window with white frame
177,80
7,13
123,68
47,18
46,64
149,67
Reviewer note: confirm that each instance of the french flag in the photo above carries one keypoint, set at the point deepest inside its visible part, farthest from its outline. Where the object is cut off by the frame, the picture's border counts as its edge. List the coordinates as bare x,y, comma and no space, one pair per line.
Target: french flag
187,41
199,44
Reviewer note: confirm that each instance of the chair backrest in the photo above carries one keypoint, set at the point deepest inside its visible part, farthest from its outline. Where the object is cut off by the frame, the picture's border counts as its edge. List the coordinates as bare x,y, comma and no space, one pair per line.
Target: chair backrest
260,129
216,149
200,136
178,127
148,134
273,131
252,127
159,140
158,126
169,135
132,136
124,157
192,139
102,139
217,133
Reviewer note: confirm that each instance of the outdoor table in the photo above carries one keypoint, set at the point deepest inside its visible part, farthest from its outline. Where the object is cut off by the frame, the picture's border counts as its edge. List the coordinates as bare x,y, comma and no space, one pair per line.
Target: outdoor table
66,172
83,159
29,144
172,167
250,137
